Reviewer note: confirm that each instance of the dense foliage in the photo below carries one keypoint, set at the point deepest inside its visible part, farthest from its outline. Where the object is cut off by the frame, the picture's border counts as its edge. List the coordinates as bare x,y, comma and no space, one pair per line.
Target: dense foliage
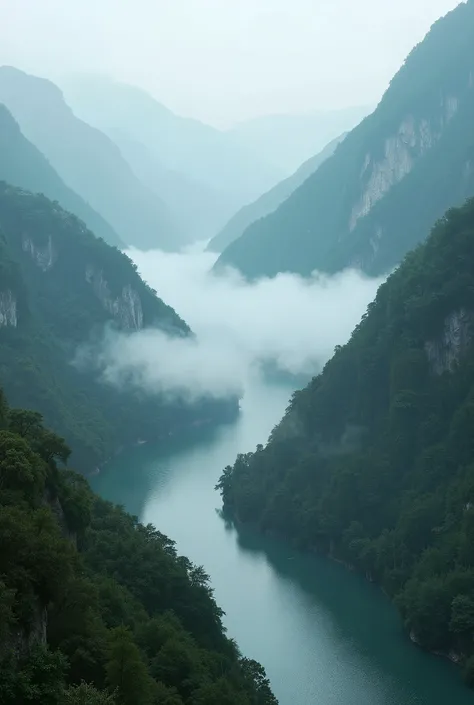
95,608
373,462
67,285
405,164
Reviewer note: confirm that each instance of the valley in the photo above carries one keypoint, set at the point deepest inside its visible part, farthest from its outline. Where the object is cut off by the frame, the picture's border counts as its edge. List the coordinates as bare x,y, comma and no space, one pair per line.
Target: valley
236,353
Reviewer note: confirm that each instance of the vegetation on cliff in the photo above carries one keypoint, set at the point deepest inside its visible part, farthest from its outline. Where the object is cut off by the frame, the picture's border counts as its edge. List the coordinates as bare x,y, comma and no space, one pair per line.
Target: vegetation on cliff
96,608
373,462
396,173
60,287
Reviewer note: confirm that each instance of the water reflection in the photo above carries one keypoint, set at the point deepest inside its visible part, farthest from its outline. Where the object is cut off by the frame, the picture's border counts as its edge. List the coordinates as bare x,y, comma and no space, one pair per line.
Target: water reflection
325,635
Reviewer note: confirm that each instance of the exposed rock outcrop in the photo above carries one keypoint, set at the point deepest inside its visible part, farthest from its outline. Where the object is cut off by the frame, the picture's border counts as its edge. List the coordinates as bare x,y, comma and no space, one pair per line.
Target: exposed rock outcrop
126,309
445,353
44,256
8,309
400,151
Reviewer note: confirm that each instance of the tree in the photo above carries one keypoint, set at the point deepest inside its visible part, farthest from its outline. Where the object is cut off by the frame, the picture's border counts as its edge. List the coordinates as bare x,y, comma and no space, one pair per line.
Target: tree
126,670
86,694
25,423
255,674
462,615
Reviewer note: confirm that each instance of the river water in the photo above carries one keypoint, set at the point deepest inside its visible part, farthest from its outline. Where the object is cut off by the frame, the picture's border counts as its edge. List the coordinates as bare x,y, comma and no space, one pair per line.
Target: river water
324,635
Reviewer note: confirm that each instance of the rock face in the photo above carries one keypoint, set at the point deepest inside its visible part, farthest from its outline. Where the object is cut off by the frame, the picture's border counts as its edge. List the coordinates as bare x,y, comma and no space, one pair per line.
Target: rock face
125,309
444,354
60,289
20,642
44,256
8,309
400,152
392,177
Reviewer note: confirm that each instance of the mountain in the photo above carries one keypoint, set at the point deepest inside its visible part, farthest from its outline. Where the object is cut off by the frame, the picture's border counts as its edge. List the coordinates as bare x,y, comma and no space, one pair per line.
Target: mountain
287,140
60,287
269,201
88,161
199,210
373,462
391,178
201,153
97,609
21,164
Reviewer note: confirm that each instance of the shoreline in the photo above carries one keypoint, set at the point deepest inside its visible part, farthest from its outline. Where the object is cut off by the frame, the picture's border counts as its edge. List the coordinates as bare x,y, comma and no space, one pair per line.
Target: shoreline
452,656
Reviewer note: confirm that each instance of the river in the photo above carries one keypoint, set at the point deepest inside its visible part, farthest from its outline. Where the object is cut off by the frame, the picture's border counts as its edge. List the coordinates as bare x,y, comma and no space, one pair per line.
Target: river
324,634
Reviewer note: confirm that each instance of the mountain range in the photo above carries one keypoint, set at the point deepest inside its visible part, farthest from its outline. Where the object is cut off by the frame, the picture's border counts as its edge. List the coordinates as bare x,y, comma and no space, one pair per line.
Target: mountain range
184,160
88,162
23,165
269,201
390,179
288,140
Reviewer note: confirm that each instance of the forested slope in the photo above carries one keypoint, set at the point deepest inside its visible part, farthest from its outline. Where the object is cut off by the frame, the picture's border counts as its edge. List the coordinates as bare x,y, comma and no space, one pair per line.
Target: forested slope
392,177
59,287
373,462
95,608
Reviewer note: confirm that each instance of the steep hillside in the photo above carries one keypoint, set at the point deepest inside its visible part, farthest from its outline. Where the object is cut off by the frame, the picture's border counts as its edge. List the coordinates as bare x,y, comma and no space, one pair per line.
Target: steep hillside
288,140
198,209
59,287
269,201
393,175
195,150
373,462
21,164
95,608
88,161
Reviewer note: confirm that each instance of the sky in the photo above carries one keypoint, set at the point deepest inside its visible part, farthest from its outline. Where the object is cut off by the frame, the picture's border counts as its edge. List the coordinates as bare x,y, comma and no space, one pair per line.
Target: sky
296,323
223,61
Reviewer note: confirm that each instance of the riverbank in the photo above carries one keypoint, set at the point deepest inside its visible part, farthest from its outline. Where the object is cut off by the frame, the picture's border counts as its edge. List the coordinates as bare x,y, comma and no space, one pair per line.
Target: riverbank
233,517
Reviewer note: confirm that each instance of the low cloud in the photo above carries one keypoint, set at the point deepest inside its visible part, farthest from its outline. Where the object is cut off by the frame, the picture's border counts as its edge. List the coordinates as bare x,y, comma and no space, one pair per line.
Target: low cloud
293,322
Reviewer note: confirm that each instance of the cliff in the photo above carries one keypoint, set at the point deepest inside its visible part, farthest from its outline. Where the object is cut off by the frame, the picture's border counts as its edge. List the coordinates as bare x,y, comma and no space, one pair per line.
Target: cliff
60,287
391,178
373,461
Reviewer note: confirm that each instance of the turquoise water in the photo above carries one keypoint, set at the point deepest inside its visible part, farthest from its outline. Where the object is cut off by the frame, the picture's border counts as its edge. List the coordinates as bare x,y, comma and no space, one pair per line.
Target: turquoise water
324,635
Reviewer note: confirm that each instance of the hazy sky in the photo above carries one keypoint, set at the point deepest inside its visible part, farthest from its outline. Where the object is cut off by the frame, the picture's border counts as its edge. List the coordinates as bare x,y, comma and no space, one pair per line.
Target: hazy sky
224,60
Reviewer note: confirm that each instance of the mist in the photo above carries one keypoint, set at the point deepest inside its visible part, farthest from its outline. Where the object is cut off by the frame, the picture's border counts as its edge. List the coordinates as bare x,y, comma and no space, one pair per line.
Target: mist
292,322
223,61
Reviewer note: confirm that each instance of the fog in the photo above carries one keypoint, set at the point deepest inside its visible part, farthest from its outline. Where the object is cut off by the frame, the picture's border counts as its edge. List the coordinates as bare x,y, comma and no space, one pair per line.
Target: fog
292,321
223,60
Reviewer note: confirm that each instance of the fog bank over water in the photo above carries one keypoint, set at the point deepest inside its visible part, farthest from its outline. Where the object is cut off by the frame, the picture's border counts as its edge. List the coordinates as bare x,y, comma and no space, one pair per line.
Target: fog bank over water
293,322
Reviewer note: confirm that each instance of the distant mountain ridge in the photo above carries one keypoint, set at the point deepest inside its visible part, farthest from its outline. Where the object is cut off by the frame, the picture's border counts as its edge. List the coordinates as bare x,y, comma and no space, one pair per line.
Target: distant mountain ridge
203,156
269,201
88,161
198,209
288,140
391,178
23,165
